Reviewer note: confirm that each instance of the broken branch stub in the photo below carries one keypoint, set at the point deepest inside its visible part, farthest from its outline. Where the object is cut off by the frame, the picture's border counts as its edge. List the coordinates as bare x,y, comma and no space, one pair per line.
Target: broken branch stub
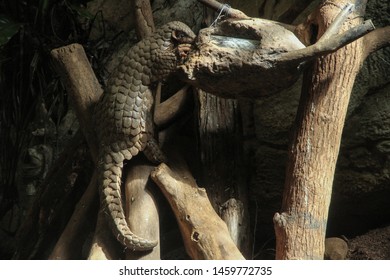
255,57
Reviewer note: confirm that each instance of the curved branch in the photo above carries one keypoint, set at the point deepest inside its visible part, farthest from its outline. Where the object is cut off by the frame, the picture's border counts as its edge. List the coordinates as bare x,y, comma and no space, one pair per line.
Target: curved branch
264,62
328,45
376,40
167,111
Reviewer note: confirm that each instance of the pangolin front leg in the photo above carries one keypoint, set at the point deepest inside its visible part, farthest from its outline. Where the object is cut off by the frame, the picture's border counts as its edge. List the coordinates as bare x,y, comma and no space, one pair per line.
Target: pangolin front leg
123,118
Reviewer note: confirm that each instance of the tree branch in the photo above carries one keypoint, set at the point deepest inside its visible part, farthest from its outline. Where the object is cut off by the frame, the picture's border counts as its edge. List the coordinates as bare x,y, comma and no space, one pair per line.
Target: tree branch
376,40
255,57
205,235
169,110
330,44
218,7
82,87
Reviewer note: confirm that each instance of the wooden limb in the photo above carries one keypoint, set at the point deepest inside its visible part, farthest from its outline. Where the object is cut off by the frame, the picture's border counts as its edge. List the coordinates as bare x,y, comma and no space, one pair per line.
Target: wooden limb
143,18
376,40
69,244
271,57
141,208
84,91
327,45
104,245
205,235
235,215
167,111
230,12
300,226
82,87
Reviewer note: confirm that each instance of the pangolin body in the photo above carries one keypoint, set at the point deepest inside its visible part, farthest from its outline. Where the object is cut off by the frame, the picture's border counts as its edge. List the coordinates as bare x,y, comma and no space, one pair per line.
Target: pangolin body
123,118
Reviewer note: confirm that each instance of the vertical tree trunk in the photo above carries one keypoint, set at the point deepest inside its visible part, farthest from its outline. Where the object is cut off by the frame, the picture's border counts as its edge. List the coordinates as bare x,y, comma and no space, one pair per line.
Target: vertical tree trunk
221,151
300,227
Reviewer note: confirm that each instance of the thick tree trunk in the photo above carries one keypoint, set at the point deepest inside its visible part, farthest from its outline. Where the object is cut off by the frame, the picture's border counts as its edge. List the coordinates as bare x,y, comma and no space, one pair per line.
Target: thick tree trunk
223,170
301,225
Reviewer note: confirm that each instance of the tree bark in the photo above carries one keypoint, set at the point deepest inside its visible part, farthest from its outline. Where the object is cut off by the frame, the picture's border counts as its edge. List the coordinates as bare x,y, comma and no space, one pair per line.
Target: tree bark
84,91
141,208
205,235
269,59
223,170
300,227
82,86
376,40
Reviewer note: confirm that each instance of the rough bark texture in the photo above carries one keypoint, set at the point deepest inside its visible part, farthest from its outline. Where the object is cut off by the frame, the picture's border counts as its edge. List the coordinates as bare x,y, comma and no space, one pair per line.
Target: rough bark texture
143,18
224,172
205,235
361,184
300,226
269,60
82,87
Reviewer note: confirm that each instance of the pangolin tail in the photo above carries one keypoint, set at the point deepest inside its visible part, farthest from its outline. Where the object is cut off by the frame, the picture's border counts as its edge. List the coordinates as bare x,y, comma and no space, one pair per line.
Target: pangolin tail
112,204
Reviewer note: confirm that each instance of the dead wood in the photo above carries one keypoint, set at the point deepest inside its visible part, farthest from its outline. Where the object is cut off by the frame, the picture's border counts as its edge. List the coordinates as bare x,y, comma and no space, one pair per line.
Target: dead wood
235,214
300,226
255,57
205,235
84,91
143,18
82,87
170,109
104,246
222,158
141,208
376,40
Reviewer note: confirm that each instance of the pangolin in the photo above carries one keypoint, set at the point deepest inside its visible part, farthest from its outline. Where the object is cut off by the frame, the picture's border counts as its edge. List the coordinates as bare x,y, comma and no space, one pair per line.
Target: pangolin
123,117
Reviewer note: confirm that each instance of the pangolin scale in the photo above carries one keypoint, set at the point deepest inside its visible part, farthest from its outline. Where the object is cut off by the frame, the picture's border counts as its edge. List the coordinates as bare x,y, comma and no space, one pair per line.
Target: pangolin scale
123,118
